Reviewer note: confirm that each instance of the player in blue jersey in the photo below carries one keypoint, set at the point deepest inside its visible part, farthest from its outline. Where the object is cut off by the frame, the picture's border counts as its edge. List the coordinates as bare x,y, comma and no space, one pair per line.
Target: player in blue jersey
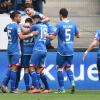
39,54
66,30
14,33
26,49
95,42
44,19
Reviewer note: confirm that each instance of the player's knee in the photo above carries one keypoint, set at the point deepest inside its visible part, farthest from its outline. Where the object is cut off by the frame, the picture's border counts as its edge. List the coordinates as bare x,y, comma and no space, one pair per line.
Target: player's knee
41,68
14,67
59,68
32,67
26,70
67,67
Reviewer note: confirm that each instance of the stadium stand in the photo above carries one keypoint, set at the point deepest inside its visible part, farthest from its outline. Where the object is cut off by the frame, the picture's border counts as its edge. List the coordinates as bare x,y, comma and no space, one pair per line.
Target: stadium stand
85,12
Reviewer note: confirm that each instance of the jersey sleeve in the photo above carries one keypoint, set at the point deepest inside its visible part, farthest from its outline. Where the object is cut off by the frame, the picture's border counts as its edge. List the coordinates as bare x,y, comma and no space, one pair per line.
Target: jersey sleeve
5,29
19,31
41,15
57,28
33,28
97,35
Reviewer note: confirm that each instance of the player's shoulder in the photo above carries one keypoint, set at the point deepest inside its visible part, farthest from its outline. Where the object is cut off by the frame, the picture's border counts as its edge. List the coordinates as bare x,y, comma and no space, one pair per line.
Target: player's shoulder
72,22
59,23
39,14
97,33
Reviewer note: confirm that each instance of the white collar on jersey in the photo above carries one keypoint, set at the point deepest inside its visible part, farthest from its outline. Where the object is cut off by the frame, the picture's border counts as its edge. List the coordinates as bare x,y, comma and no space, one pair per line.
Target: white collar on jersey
13,22
65,20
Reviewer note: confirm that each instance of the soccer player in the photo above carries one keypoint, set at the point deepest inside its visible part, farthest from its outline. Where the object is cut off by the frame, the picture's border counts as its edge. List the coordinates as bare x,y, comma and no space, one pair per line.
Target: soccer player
14,33
44,19
39,53
95,42
66,30
26,49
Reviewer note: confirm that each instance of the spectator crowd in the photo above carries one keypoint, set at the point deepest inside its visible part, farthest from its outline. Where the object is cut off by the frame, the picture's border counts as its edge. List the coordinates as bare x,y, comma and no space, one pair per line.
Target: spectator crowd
11,5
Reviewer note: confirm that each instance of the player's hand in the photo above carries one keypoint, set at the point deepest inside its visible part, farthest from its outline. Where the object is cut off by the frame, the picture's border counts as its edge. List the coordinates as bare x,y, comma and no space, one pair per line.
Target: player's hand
46,35
84,55
35,32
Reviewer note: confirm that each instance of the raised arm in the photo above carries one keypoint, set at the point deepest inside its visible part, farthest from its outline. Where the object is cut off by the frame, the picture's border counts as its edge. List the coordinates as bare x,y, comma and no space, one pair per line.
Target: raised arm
94,43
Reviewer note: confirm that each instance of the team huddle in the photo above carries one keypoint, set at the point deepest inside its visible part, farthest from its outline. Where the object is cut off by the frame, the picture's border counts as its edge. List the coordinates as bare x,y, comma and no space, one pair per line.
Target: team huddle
27,49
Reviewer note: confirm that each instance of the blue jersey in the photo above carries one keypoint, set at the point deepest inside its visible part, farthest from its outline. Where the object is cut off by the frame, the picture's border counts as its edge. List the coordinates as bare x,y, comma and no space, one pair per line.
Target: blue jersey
51,28
13,30
27,44
97,36
66,30
40,41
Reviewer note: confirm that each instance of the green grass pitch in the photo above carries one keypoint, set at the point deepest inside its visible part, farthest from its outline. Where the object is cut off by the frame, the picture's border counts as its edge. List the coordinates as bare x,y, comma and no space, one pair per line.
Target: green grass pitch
78,95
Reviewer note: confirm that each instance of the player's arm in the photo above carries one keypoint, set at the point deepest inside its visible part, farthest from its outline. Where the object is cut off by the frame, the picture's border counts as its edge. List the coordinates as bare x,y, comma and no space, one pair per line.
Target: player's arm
25,30
50,36
31,30
23,36
77,35
44,18
94,43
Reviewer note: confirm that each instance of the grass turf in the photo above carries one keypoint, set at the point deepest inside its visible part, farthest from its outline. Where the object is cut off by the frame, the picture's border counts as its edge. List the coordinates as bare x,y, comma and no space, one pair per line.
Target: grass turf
78,95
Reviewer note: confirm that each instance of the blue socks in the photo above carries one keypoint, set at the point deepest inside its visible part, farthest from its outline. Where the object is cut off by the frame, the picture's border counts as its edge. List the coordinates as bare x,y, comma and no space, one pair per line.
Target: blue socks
18,77
44,80
13,80
7,78
60,79
34,79
70,76
26,80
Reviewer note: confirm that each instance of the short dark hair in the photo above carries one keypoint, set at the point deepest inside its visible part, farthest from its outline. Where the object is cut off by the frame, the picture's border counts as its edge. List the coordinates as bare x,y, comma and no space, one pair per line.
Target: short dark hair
28,20
63,12
28,5
14,14
36,16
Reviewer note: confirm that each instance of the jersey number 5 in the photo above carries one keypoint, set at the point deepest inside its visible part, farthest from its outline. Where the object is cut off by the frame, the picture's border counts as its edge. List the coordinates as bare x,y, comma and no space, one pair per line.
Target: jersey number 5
67,34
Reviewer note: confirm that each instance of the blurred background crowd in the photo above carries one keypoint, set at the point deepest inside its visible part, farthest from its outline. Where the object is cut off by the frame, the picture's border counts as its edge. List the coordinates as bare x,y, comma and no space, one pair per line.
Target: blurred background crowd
7,6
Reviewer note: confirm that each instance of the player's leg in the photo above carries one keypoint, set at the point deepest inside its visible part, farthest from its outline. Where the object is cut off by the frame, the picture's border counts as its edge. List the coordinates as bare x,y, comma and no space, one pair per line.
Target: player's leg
68,62
33,63
25,65
98,67
15,62
42,75
7,76
60,75
18,77
4,84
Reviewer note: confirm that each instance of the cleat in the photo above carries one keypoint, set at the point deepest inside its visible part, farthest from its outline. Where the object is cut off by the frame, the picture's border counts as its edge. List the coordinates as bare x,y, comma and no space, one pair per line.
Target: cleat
46,91
32,87
29,91
73,89
35,91
4,89
16,92
61,91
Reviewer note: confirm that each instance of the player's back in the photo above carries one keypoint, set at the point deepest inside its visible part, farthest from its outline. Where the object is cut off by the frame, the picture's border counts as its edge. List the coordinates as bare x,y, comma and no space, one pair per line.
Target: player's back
13,41
40,41
66,31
